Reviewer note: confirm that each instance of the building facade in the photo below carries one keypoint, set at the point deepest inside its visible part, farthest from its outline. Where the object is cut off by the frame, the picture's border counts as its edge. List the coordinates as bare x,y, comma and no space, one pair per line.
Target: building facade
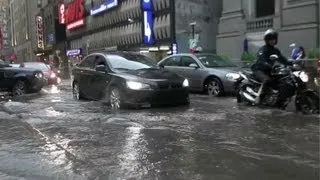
156,28
50,33
5,39
296,20
23,29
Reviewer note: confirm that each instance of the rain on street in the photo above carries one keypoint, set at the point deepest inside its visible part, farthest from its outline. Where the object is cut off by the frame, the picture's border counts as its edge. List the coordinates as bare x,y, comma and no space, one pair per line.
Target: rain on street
51,136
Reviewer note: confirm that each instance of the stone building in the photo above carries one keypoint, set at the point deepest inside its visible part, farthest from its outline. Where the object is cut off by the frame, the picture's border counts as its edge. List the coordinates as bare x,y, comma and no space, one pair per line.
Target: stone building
296,20
53,32
109,24
23,28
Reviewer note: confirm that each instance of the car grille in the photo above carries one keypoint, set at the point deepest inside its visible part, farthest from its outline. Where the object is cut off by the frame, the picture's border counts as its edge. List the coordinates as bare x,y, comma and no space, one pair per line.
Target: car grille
170,86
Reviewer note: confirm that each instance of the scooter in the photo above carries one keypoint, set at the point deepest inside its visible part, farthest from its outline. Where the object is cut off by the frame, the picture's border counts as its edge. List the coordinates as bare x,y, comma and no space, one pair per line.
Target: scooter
290,81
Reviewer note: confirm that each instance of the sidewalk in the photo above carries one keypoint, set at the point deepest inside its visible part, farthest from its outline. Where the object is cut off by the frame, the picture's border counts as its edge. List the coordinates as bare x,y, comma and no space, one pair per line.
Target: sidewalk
24,154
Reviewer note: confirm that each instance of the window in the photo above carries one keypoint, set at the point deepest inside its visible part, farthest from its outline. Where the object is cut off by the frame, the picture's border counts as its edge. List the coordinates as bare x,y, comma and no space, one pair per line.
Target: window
172,61
87,62
186,61
265,8
131,62
39,66
210,60
99,60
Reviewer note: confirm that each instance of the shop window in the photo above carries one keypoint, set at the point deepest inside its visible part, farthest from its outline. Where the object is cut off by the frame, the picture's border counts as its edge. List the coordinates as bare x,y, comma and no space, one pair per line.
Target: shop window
265,8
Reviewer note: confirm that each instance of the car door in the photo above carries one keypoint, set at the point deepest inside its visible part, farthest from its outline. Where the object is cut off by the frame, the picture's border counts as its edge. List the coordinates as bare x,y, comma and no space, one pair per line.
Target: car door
2,83
172,64
100,79
6,79
84,73
193,74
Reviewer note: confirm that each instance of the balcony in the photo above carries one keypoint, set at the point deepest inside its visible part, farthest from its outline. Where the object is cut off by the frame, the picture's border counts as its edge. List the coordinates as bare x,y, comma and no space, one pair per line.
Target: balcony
260,24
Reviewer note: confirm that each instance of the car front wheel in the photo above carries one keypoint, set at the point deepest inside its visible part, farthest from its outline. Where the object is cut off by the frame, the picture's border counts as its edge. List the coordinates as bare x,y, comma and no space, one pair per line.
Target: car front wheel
76,91
214,87
20,88
116,98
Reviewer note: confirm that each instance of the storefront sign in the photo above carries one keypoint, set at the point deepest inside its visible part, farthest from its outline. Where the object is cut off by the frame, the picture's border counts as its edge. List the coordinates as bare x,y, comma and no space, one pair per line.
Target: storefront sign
51,38
5,37
72,14
108,4
40,32
148,21
147,5
73,52
62,12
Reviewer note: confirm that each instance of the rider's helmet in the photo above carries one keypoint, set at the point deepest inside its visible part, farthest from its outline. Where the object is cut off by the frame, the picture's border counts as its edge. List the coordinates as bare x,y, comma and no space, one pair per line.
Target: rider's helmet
271,34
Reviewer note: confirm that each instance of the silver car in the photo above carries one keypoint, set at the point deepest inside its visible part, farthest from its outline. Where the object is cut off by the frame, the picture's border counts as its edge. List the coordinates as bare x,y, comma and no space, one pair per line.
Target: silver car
206,73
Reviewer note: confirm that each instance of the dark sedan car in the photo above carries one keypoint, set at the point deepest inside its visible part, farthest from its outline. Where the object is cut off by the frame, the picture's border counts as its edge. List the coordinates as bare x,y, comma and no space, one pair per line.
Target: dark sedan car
20,81
127,78
49,74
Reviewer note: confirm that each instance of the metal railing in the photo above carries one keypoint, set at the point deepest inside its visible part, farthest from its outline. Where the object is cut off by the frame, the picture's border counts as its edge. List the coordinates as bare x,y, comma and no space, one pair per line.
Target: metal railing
260,24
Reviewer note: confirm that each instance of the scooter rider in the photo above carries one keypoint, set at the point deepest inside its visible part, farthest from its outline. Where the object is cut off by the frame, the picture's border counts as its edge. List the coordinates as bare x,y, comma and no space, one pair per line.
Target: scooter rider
263,66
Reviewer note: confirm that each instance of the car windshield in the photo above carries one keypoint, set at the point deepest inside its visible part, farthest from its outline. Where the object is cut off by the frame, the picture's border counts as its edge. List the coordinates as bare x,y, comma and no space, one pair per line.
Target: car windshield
209,60
131,62
38,66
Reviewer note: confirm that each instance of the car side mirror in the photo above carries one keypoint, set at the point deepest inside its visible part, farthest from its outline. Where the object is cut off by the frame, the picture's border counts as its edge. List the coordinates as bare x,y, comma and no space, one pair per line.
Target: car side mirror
194,65
274,57
101,68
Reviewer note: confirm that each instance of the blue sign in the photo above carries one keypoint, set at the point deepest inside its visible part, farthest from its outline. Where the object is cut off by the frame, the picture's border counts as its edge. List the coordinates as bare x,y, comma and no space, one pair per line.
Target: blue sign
174,48
51,39
108,4
147,5
148,27
73,52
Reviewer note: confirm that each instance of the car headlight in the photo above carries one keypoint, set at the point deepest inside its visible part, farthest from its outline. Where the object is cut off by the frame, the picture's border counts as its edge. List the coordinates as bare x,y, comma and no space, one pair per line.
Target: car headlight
185,83
137,85
304,77
53,75
232,76
39,75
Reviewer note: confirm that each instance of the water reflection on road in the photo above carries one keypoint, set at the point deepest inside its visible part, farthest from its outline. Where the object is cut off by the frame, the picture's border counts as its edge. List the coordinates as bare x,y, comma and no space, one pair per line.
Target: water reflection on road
214,138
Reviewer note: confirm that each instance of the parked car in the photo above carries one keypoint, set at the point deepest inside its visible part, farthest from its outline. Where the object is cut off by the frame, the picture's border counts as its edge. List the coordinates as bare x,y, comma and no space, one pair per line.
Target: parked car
49,74
20,81
127,78
207,73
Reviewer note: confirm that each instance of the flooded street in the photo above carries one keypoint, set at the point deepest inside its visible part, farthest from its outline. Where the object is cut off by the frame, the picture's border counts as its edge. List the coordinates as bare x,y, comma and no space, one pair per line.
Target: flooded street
51,136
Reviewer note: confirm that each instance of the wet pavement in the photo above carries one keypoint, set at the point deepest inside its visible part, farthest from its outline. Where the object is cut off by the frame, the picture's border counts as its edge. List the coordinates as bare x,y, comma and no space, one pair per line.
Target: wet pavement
51,136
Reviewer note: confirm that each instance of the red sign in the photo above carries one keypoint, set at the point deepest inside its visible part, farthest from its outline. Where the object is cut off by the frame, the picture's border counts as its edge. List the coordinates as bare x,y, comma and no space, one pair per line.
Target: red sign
13,56
62,12
72,14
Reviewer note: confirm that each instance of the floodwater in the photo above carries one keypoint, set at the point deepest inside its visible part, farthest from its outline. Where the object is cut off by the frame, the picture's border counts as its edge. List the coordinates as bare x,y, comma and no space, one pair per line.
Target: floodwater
51,136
